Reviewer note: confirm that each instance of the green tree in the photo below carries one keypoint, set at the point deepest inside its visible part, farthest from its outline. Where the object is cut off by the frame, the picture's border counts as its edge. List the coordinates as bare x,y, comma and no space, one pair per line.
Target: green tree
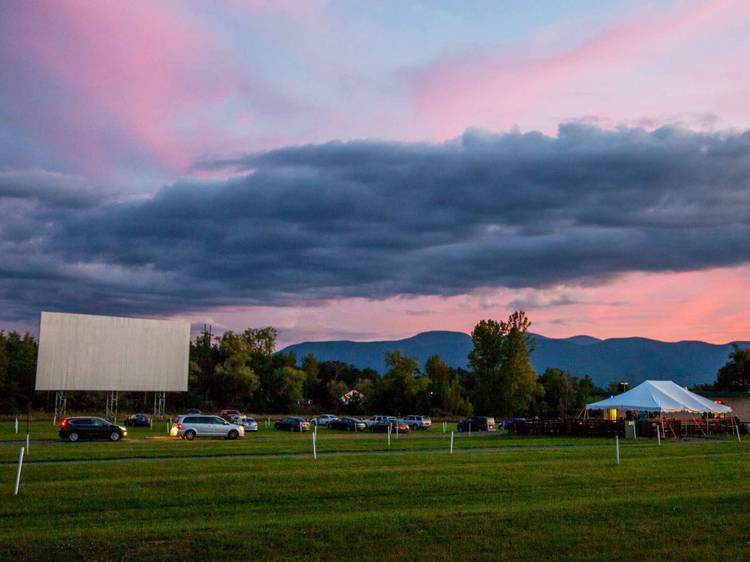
281,388
518,374
486,361
506,382
402,391
735,374
311,367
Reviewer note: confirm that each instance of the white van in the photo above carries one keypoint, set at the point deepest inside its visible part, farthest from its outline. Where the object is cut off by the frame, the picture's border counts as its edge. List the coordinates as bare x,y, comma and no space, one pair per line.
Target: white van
190,427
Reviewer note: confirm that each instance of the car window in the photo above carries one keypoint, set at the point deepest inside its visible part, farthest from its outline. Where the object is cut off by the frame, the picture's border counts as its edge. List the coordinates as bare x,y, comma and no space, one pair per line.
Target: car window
219,421
79,421
191,419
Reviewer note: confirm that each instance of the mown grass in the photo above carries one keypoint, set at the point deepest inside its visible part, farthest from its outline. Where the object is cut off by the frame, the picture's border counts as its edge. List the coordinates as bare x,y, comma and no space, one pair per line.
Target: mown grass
534,499
143,443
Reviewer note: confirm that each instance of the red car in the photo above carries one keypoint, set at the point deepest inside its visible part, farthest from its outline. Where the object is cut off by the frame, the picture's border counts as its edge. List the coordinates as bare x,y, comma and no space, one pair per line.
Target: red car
382,427
229,415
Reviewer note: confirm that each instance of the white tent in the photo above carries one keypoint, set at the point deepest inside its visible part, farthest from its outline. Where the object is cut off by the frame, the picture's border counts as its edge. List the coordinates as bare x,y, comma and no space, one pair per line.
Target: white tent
660,396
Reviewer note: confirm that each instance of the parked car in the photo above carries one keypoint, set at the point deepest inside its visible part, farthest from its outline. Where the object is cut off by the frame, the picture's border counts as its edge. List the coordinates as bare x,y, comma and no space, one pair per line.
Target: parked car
138,420
418,422
323,419
194,411
476,423
74,429
291,423
190,427
374,420
229,415
347,424
396,425
511,423
248,423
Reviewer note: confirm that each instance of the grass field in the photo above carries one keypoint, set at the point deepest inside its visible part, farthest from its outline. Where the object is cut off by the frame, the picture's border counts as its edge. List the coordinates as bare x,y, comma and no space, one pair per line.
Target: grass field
264,497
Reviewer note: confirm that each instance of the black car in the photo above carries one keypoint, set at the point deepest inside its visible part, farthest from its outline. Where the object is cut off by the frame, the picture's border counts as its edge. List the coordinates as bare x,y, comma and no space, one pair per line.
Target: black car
292,424
347,424
138,420
74,429
476,423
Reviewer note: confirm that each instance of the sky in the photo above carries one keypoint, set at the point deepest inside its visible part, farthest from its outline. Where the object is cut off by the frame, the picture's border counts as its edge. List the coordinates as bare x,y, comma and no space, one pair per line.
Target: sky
370,170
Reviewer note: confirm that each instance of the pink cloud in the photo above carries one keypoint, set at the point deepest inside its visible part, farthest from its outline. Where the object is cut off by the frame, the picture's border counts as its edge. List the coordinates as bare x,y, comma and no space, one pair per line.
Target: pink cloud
149,82
486,89
705,305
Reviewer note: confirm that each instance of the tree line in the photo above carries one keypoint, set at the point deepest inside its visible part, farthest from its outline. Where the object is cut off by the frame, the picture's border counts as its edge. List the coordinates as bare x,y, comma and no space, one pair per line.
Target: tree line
242,370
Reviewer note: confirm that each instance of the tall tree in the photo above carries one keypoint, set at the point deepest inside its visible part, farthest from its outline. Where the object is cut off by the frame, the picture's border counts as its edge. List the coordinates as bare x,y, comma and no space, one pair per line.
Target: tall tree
519,376
486,361
735,374
506,381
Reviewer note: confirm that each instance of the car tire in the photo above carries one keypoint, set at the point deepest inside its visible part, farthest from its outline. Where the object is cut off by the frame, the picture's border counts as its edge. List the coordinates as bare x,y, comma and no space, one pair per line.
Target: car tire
234,434
73,437
190,435
114,436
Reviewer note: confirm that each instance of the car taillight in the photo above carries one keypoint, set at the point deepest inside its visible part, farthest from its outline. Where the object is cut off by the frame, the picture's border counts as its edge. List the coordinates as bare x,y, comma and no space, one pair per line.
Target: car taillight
64,423
178,425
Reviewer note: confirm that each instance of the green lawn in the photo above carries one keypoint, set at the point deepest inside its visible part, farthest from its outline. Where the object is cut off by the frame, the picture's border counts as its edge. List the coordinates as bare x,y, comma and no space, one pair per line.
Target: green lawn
264,497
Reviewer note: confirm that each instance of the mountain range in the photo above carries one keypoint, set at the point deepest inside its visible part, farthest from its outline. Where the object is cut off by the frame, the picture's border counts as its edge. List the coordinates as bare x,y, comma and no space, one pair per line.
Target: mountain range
615,359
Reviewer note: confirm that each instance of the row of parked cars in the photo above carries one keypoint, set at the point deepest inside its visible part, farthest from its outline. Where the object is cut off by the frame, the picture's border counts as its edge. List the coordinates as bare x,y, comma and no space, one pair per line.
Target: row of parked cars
373,423
231,424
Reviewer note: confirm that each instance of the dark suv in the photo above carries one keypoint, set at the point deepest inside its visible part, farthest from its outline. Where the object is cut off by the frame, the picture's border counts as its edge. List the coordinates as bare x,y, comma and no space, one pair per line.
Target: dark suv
73,429
476,423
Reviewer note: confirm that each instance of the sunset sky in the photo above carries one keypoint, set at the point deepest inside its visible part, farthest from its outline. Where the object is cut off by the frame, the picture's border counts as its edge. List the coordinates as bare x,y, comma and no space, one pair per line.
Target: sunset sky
369,170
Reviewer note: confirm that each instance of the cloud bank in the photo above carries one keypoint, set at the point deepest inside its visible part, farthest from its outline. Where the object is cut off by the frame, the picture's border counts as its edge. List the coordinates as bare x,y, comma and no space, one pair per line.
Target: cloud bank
377,219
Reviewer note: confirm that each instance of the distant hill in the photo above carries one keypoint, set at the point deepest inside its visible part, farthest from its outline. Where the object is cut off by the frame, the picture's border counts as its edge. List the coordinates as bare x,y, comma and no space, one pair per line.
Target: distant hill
629,359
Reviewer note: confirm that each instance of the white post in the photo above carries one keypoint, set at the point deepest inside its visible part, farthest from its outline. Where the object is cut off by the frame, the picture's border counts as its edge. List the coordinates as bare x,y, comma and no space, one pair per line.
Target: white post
397,422
469,429
451,442
658,436
389,436
617,448
18,473
737,428
16,425
268,422
27,444
315,450
634,435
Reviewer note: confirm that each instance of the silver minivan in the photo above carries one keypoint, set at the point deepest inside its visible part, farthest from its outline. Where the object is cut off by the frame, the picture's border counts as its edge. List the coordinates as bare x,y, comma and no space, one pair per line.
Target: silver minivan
192,426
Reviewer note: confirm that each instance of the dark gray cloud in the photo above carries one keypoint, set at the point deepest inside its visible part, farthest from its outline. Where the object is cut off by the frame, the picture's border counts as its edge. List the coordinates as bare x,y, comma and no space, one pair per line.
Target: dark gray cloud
46,188
376,219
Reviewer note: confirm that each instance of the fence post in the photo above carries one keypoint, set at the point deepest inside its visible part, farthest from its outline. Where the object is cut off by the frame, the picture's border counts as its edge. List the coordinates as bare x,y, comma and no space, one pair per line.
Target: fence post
451,442
27,444
16,425
18,473
389,436
617,448
315,450
658,436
